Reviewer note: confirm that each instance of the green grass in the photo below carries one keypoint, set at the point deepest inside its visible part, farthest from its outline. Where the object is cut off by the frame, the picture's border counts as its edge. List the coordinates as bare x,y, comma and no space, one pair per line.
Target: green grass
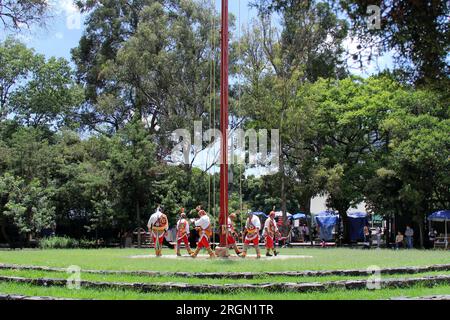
322,259
23,289
119,259
146,279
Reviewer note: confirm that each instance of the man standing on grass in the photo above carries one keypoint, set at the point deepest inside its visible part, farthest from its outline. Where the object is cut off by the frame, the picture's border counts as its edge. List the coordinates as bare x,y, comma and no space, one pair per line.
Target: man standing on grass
183,233
270,232
232,234
409,233
251,234
203,226
158,226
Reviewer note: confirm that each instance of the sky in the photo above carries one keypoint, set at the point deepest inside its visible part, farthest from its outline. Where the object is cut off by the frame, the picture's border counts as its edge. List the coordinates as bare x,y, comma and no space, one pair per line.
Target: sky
65,28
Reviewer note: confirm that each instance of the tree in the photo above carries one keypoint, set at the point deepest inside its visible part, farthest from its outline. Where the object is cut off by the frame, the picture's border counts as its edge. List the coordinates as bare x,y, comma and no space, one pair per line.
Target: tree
335,128
150,59
277,63
16,62
27,205
16,14
416,31
34,90
419,156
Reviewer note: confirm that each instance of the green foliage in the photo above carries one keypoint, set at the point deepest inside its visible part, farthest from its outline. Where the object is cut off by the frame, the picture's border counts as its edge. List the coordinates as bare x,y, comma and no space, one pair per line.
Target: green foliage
92,158
27,205
65,243
35,91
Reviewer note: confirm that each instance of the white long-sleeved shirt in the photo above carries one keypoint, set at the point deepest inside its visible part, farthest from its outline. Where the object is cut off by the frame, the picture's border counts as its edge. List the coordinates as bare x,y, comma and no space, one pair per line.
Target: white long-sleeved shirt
154,218
203,222
267,224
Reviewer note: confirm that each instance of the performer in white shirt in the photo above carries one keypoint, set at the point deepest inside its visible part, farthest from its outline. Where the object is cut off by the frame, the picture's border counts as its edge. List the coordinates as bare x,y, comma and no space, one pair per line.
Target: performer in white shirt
269,233
183,233
232,234
203,226
158,226
252,227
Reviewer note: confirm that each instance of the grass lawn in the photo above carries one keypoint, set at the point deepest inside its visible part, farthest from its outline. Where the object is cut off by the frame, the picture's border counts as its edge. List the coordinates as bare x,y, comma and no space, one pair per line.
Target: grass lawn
322,259
120,259
12,288
147,279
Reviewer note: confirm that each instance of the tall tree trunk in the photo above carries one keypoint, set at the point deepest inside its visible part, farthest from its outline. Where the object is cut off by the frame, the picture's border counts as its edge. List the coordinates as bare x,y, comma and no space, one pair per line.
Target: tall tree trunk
283,195
387,233
4,233
346,229
138,218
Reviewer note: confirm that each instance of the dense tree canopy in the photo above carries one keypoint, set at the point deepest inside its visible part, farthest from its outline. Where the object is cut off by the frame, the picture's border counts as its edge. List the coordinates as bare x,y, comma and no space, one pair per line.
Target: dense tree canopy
84,148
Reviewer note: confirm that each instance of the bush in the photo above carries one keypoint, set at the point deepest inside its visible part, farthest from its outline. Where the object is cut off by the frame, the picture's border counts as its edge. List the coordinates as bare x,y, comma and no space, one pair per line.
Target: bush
58,243
66,243
87,244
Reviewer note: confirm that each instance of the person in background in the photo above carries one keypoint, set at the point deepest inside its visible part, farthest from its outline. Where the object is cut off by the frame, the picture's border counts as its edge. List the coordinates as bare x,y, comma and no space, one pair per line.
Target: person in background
269,233
432,237
409,233
378,233
399,240
366,237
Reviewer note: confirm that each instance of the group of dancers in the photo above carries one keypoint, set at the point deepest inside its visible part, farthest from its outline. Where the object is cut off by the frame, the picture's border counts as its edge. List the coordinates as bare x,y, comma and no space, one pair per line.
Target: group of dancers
158,225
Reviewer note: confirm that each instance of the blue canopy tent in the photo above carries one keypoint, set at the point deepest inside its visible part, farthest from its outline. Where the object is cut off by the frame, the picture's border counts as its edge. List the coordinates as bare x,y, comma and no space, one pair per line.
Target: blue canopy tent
441,216
357,222
260,214
326,220
298,216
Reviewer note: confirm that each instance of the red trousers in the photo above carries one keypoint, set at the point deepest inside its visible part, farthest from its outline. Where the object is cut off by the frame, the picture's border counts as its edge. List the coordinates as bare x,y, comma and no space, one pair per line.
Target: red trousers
231,240
159,239
255,241
269,242
183,239
203,243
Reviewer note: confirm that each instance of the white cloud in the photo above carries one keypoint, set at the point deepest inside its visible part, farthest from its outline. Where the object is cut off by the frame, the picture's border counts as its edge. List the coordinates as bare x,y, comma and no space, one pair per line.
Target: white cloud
66,7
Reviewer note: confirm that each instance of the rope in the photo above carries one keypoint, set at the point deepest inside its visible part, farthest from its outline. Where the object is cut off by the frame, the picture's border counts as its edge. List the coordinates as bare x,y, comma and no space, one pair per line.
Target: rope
239,100
211,84
214,106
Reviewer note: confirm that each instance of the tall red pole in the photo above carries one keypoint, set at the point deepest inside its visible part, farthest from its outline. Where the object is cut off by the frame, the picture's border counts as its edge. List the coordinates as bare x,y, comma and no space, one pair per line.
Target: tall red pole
224,127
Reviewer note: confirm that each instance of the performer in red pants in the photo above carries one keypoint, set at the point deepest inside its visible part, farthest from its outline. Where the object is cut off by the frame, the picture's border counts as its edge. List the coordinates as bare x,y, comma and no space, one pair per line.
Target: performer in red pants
232,234
252,227
158,226
269,233
183,233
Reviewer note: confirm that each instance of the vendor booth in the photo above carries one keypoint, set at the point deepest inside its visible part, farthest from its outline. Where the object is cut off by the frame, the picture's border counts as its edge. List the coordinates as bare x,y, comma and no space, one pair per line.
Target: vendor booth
260,214
357,222
327,220
441,216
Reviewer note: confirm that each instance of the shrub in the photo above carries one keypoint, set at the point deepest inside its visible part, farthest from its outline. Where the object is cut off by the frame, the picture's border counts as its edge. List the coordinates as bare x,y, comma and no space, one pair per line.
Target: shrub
66,243
58,243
